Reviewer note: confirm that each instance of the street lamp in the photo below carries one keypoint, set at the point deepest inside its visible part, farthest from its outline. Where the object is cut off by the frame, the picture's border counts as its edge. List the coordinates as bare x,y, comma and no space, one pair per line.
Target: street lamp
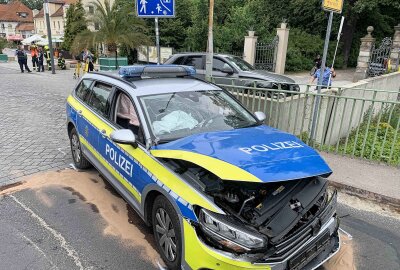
46,10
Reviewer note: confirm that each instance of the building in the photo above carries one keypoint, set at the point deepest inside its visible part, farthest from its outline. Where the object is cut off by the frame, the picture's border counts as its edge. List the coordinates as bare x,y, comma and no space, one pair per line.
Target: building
16,21
57,13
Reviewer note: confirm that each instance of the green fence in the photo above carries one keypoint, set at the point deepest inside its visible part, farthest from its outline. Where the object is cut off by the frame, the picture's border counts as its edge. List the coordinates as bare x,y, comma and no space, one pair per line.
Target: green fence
3,58
355,121
109,63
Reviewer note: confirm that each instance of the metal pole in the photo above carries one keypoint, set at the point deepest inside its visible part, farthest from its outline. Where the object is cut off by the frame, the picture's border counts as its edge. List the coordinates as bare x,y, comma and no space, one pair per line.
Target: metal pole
158,42
46,10
321,76
210,44
337,45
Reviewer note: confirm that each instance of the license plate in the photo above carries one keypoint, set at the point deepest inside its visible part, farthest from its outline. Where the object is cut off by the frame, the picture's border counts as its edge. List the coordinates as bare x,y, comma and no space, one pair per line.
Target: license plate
310,252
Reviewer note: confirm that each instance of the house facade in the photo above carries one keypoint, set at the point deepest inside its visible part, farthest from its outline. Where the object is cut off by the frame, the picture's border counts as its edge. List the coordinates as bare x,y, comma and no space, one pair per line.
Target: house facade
16,21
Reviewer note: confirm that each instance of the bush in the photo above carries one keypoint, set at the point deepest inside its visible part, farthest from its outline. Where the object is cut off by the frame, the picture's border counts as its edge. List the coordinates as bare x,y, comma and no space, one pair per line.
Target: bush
385,147
3,44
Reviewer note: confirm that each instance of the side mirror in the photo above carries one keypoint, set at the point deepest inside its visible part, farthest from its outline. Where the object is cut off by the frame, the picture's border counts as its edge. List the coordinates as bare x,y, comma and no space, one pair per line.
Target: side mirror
260,116
227,69
124,136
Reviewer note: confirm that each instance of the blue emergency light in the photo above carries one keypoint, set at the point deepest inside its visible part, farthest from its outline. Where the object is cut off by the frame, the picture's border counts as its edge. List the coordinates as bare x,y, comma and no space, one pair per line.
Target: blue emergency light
156,71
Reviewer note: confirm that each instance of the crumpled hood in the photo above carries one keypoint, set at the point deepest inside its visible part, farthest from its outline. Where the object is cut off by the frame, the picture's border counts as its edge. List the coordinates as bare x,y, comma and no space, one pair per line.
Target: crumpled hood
257,154
266,75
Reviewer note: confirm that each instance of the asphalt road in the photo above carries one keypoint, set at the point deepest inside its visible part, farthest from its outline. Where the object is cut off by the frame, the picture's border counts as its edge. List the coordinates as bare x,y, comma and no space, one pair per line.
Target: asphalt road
69,233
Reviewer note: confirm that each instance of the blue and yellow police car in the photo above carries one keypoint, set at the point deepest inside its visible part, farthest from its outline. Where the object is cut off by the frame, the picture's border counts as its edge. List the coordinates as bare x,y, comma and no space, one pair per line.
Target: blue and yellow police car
220,189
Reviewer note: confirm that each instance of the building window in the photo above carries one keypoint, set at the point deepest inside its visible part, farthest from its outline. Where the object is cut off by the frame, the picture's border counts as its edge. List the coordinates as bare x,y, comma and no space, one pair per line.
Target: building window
96,26
54,24
9,26
59,27
91,9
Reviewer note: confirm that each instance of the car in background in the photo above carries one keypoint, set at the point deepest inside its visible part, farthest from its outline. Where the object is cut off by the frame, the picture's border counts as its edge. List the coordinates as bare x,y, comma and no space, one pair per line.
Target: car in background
228,68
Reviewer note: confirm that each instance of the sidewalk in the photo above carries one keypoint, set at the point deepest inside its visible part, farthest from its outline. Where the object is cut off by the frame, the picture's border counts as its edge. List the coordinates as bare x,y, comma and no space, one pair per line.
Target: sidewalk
365,179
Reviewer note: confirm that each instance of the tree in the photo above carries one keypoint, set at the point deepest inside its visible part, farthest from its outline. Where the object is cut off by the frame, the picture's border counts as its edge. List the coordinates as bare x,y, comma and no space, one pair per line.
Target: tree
75,24
3,44
117,27
33,4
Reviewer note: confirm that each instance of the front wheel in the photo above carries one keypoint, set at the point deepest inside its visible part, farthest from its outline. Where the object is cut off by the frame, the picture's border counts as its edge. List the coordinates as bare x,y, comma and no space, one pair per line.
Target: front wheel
79,159
167,232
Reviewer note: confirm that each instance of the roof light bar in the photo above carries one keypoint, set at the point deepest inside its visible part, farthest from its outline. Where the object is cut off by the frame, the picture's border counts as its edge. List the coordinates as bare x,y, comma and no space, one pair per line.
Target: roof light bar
153,71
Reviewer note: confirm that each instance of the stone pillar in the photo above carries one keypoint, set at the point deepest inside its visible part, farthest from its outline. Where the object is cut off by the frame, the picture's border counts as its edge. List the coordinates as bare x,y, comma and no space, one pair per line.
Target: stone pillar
283,35
249,51
395,51
364,56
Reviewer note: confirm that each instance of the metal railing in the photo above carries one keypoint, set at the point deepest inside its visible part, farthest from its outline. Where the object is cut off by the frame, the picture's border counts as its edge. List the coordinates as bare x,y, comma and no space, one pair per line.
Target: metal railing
358,122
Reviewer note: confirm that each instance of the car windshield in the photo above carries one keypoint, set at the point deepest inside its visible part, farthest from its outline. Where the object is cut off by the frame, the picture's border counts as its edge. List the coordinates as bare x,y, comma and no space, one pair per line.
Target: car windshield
176,115
240,63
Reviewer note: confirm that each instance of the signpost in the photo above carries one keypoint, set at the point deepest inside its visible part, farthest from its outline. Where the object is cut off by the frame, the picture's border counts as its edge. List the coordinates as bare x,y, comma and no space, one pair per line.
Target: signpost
156,9
331,6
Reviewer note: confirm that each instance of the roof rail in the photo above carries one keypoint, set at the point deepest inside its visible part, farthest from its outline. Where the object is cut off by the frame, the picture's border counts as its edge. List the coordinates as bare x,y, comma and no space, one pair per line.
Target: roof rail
152,71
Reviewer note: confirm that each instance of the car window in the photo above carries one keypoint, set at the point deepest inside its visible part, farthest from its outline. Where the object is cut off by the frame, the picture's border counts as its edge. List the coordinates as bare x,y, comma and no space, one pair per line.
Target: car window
126,116
179,60
99,98
218,64
83,90
194,61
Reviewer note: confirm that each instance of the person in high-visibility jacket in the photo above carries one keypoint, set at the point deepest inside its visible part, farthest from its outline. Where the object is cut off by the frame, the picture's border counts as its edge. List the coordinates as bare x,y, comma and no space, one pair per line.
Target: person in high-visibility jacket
61,61
47,56
34,54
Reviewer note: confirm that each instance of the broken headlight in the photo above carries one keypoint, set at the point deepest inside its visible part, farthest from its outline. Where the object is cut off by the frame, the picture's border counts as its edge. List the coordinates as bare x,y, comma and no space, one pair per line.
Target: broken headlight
231,236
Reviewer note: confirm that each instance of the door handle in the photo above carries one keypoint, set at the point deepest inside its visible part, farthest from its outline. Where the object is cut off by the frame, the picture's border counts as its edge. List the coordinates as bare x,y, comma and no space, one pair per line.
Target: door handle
80,113
103,133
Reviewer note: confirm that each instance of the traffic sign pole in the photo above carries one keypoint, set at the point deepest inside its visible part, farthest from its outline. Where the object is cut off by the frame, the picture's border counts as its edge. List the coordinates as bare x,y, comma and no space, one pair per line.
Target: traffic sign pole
210,44
158,42
321,76
46,11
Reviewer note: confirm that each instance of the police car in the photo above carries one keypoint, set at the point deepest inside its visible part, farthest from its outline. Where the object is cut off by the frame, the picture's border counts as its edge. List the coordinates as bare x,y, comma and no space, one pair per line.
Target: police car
220,189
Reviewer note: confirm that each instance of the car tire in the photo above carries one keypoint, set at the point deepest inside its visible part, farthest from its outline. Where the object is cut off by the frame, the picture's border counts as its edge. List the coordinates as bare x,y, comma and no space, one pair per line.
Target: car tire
80,160
167,232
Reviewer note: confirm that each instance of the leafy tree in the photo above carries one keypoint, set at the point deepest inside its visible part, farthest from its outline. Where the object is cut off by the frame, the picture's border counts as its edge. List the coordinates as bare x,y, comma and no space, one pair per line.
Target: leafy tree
3,44
75,23
118,27
33,4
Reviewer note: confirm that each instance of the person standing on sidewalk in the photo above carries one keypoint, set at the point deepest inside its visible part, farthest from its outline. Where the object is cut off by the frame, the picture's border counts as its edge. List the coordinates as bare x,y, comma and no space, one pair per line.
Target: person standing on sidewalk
34,54
22,59
40,60
47,56
329,74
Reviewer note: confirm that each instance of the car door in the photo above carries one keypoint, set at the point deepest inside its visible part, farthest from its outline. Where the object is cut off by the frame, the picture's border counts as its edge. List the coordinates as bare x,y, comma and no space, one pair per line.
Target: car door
80,116
122,159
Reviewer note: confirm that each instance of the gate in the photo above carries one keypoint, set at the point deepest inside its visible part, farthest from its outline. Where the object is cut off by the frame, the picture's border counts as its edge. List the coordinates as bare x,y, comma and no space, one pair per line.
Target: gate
266,55
378,63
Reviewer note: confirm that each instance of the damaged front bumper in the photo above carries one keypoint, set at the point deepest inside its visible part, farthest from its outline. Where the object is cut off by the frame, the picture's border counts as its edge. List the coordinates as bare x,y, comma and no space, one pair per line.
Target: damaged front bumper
307,249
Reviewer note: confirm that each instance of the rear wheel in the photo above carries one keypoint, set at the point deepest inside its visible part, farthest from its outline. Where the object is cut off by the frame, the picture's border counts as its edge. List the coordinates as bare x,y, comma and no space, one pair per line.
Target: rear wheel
79,159
167,232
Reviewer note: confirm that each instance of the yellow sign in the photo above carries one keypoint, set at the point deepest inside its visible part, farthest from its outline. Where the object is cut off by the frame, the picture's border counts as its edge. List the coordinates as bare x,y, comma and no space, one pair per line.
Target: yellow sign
333,5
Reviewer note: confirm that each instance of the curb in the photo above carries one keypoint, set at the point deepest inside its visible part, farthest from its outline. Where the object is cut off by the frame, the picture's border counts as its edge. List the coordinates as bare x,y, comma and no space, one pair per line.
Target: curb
390,202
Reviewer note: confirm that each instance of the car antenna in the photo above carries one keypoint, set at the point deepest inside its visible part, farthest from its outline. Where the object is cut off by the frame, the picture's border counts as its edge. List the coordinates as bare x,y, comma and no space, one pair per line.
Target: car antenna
163,110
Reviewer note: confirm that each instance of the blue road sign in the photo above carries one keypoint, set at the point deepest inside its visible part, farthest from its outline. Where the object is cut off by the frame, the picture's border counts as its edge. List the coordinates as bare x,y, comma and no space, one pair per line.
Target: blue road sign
155,8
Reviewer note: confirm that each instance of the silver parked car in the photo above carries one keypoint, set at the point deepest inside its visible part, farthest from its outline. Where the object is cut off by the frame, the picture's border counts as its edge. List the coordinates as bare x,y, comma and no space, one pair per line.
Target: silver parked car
228,67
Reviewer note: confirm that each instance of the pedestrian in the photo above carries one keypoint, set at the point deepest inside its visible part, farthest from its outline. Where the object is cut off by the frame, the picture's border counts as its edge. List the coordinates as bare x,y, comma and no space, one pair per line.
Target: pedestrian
34,55
88,59
40,60
47,56
61,61
317,65
329,73
22,59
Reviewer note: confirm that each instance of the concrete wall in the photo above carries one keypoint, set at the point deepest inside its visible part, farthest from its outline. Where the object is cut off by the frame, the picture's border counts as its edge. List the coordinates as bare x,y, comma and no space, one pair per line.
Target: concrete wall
341,109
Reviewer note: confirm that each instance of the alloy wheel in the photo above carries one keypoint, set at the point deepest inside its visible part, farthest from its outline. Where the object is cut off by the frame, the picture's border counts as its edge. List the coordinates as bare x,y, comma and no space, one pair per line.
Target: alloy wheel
166,234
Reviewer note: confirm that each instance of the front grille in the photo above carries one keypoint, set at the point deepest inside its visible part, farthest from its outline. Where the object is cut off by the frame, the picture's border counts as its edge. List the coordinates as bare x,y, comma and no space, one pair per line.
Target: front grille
299,237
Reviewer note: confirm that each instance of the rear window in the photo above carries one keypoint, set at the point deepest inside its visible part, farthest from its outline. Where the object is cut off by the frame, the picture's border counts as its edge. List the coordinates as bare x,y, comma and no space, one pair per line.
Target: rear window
83,90
99,98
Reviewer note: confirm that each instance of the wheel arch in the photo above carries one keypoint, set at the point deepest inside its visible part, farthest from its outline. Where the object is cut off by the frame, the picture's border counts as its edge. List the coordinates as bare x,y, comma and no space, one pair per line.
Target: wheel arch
70,126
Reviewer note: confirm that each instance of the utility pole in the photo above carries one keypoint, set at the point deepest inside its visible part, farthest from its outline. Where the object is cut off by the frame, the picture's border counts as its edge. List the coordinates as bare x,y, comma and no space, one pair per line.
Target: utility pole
210,44
158,42
46,10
